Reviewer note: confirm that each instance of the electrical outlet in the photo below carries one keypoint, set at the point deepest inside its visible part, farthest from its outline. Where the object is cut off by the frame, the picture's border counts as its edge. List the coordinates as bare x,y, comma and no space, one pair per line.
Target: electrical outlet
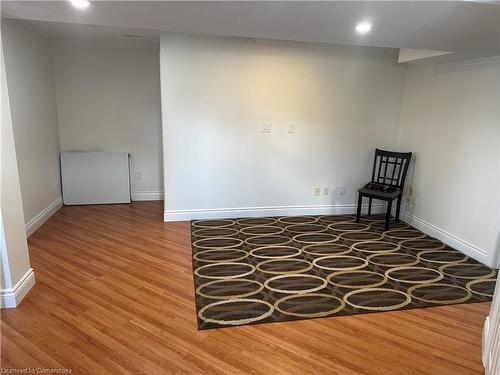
326,190
341,190
54,185
317,190
411,197
138,175
266,127
291,128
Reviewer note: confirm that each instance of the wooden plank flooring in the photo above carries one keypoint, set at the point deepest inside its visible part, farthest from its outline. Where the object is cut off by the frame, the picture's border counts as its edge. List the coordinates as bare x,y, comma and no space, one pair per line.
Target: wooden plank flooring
114,295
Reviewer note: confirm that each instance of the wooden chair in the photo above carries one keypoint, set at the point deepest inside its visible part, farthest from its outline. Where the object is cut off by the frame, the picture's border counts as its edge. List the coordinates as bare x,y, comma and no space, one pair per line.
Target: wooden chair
388,179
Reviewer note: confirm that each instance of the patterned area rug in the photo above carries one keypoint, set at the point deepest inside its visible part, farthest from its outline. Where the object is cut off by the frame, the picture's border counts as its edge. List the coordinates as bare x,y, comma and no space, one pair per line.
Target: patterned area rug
256,270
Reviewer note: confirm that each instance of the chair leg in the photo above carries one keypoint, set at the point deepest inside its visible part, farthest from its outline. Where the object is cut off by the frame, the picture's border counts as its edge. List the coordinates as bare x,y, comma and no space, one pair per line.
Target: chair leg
388,215
370,206
360,201
398,209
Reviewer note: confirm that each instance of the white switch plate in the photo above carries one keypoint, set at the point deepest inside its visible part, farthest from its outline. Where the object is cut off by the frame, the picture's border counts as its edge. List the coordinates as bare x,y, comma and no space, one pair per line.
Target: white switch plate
317,190
341,190
291,128
267,127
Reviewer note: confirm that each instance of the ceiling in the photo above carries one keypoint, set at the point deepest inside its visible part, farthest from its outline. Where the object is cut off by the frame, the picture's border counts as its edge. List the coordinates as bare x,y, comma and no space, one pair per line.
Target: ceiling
94,33
470,29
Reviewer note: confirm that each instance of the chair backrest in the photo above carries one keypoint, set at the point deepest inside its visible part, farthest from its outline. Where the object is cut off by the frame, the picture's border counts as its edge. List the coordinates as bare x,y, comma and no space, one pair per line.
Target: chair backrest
389,168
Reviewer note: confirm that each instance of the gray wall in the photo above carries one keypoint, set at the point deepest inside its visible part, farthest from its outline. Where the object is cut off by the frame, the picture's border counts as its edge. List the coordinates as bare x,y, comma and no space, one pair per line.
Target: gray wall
28,64
108,99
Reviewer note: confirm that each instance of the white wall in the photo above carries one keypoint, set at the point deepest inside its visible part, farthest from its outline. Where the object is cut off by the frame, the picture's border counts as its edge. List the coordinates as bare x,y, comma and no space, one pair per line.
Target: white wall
108,99
216,92
16,277
450,119
491,336
28,64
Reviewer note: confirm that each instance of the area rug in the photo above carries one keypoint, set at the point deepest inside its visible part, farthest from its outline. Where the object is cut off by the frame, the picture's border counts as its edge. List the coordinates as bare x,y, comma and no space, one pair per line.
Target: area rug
269,269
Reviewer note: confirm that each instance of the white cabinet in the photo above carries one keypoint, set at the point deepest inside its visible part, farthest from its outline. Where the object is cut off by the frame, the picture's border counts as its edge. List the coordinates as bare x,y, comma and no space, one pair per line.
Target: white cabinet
95,177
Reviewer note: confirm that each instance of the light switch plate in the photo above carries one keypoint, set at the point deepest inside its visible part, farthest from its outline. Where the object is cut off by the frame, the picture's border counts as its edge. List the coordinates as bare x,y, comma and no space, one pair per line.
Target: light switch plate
267,127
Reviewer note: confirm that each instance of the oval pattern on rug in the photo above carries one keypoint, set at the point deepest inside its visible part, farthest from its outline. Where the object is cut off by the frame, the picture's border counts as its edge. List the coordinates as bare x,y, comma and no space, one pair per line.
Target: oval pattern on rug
271,269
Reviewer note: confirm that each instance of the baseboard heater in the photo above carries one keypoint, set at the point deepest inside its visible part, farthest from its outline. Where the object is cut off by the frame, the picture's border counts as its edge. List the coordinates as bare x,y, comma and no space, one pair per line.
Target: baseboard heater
95,177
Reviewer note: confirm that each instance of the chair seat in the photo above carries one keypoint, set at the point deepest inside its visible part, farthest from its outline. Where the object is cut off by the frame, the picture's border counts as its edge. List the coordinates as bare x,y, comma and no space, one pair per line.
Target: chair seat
380,194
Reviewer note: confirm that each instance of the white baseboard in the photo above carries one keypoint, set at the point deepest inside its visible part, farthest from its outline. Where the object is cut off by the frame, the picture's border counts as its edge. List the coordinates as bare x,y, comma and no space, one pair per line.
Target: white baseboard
446,237
12,297
147,195
43,216
220,213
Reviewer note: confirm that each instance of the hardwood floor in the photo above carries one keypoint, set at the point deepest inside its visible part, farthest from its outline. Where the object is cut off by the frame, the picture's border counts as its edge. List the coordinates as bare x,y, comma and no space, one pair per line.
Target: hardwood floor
114,295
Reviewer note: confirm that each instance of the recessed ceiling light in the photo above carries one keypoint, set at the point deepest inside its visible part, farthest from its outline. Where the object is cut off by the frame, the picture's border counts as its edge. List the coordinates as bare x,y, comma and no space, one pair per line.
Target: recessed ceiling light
80,4
363,27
